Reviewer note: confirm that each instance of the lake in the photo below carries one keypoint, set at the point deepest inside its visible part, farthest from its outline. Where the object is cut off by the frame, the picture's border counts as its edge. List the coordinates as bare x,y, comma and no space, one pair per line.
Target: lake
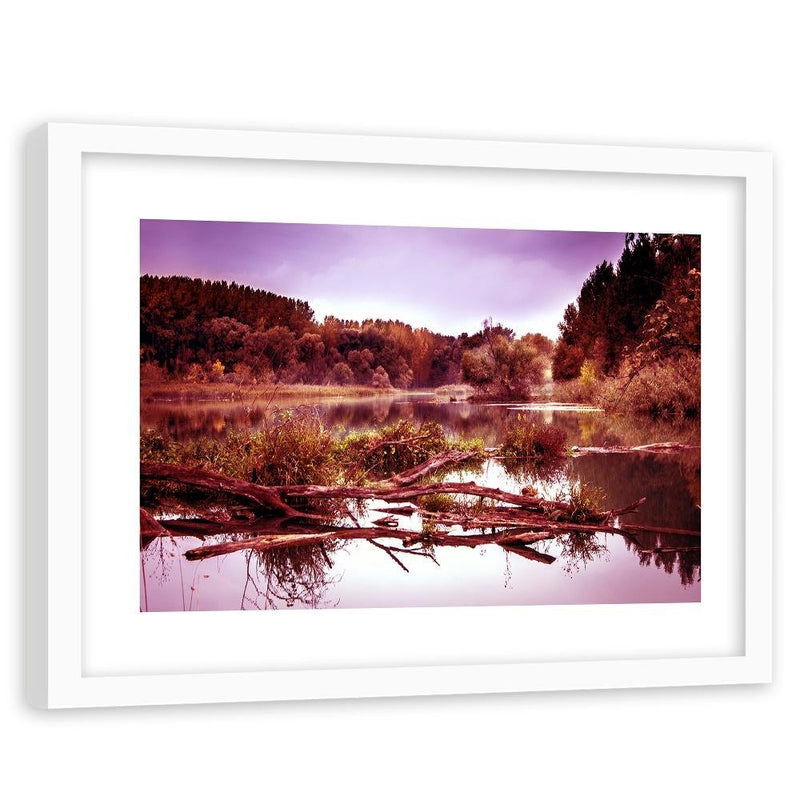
600,568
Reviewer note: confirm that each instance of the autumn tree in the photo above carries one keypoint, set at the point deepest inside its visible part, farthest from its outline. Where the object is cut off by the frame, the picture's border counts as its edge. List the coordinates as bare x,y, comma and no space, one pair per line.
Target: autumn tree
503,366
342,375
380,379
186,325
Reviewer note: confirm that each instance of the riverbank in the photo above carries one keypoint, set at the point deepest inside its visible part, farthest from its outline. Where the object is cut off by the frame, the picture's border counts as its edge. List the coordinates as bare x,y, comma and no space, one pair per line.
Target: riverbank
185,391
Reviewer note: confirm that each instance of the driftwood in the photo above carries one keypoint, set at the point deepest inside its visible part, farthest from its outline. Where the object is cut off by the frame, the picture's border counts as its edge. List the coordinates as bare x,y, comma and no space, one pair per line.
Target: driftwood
513,522
265,497
529,553
272,497
149,526
406,510
514,541
656,447
449,458
397,489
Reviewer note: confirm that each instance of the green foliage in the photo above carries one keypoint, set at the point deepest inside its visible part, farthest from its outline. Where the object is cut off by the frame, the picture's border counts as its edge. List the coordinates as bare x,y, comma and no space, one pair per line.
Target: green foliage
185,323
581,389
638,326
342,375
472,445
155,447
582,503
392,448
151,373
216,371
525,439
567,360
478,369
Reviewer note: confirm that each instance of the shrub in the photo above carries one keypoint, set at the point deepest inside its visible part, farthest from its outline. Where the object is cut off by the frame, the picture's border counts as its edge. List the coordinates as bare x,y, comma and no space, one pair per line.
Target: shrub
153,446
567,360
392,448
669,388
525,439
150,372
296,448
342,375
503,367
588,377
380,379
585,502
216,371
195,374
575,391
242,373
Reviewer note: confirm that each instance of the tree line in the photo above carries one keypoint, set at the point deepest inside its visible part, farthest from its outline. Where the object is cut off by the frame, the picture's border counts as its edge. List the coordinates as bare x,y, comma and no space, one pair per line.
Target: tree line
640,314
209,330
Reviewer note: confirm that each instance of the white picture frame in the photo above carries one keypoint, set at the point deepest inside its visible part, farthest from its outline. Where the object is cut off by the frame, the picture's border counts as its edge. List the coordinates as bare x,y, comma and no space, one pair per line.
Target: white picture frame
74,651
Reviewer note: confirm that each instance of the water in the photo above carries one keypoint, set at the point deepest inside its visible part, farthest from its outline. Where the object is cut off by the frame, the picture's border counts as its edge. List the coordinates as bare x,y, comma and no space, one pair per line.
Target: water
604,568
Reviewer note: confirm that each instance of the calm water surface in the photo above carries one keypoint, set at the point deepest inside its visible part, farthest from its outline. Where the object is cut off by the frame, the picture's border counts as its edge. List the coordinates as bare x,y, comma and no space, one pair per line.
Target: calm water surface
603,568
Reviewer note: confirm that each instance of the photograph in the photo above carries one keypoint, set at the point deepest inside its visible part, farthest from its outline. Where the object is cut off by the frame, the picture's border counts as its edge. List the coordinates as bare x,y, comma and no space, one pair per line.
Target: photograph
361,416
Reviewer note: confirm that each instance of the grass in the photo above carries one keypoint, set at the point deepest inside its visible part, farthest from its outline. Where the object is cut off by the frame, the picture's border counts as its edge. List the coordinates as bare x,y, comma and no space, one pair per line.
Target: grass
184,390
391,449
575,391
441,503
585,501
394,448
296,448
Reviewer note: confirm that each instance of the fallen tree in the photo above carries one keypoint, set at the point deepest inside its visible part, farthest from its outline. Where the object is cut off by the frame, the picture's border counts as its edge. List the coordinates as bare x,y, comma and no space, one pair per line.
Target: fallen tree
655,447
511,521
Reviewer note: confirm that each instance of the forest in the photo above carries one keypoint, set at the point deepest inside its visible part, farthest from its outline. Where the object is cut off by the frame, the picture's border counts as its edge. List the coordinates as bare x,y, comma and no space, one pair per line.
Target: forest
212,330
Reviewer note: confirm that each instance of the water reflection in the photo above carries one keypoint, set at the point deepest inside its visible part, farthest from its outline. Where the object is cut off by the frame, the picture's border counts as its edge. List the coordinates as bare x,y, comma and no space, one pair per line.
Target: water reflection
602,567
667,553
288,577
183,420
569,568
670,482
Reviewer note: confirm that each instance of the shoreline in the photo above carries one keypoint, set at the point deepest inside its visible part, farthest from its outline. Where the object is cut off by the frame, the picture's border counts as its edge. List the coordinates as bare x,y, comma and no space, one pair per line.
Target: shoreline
172,391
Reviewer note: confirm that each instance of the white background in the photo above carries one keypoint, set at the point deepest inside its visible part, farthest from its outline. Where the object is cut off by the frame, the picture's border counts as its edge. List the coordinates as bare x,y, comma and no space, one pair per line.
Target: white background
615,73
118,191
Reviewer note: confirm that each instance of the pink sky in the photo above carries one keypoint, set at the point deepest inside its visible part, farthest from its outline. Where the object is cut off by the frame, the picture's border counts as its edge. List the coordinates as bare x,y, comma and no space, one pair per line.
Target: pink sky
445,279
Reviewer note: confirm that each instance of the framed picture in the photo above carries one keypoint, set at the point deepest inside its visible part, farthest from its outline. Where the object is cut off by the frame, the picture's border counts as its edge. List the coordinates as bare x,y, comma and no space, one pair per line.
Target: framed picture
317,416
